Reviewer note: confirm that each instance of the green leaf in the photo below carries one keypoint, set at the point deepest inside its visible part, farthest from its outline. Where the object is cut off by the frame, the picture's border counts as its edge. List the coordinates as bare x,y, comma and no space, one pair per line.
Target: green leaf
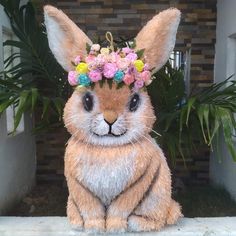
215,128
101,82
15,43
59,104
206,120
110,82
181,120
190,104
46,103
227,130
22,107
88,48
140,53
200,113
6,104
92,85
34,96
119,85
133,44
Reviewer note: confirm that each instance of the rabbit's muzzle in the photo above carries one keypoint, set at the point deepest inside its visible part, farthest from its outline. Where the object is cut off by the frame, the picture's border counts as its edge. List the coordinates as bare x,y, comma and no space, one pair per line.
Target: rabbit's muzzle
109,123
110,116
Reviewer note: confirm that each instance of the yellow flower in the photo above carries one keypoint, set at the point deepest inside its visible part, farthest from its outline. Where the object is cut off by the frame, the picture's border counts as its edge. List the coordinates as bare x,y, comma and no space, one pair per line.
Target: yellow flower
82,68
138,65
105,51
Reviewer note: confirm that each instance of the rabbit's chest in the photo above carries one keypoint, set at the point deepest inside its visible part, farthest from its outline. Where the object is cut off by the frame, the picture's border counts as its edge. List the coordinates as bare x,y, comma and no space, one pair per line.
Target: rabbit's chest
107,179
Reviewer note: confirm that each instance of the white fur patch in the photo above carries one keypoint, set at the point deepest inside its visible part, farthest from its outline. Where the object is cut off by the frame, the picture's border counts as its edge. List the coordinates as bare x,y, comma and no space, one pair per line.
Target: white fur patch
99,126
107,180
133,225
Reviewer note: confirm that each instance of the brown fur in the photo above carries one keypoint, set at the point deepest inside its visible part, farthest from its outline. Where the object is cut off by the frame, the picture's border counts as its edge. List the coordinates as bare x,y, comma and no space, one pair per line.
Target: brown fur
144,203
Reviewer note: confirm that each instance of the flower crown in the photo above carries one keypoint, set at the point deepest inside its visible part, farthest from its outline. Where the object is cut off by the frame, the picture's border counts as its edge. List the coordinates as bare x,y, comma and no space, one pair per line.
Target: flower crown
124,66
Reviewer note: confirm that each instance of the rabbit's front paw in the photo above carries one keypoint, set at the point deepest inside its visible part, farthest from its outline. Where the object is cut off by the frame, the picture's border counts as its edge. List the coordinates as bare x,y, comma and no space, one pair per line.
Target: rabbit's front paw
94,225
116,225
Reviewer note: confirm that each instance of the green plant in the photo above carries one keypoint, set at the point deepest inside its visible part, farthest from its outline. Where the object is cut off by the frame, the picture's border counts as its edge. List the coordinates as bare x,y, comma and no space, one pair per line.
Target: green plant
186,121
36,82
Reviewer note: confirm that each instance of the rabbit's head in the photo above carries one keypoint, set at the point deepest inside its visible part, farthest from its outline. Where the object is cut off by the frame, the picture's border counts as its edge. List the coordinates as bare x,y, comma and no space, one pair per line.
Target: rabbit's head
107,114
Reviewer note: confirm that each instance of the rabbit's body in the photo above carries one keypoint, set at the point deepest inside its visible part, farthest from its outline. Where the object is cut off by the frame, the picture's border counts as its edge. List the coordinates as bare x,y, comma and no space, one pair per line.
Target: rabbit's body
117,176
116,187
128,183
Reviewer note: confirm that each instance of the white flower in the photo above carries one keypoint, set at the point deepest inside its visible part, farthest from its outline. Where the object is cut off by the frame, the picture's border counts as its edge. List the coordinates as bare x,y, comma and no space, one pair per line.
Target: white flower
95,47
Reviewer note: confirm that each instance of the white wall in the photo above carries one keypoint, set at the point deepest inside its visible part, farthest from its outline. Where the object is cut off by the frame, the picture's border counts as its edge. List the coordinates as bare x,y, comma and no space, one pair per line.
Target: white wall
17,164
224,172
17,153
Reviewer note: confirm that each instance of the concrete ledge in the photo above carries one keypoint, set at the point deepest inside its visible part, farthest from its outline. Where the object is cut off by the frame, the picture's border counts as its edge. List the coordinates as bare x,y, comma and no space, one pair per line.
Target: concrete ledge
58,226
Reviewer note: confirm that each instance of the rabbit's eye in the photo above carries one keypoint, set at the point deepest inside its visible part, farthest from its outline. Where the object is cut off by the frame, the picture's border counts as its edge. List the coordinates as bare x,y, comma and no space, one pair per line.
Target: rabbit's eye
134,102
88,102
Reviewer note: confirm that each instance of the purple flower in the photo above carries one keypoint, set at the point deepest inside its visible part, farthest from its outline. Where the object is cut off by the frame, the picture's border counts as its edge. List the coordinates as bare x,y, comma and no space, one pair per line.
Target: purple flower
131,70
132,56
109,70
146,67
138,84
95,75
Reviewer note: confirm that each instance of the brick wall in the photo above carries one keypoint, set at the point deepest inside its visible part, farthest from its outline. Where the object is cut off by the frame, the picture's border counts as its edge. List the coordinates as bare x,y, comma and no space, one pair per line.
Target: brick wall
125,18
50,155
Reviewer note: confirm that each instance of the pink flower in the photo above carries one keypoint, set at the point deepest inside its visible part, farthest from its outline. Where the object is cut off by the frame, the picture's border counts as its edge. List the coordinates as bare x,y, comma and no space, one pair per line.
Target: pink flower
128,79
90,58
132,56
127,50
146,75
138,84
114,57
77,60
103,57
109,70
123,63
72,78
100,60
95,75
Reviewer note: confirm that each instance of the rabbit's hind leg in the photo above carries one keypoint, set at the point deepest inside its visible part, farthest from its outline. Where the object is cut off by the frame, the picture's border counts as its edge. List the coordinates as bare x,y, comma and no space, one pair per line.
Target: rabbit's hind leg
140,223
174,212
156,208
73,215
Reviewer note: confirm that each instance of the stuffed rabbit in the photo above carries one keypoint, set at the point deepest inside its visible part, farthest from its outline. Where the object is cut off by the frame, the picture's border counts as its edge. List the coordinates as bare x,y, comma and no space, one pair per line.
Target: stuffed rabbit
117,175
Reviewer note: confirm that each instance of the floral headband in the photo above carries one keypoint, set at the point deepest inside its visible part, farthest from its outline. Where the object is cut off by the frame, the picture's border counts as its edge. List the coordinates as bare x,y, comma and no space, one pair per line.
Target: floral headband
124,66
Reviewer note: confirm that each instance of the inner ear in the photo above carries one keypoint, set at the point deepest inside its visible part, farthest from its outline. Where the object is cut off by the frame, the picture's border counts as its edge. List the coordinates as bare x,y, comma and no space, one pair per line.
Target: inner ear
66,40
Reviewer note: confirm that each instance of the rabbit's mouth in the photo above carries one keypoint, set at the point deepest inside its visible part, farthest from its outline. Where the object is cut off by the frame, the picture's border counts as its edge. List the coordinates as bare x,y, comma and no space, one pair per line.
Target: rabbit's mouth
110,134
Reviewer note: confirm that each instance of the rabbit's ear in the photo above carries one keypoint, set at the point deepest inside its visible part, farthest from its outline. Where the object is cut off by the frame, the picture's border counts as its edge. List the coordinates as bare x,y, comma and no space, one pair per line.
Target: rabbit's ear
66,40
157,37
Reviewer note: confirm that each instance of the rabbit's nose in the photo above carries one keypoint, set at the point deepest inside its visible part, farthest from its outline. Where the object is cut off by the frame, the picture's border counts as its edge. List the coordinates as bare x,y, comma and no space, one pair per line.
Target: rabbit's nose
110,116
